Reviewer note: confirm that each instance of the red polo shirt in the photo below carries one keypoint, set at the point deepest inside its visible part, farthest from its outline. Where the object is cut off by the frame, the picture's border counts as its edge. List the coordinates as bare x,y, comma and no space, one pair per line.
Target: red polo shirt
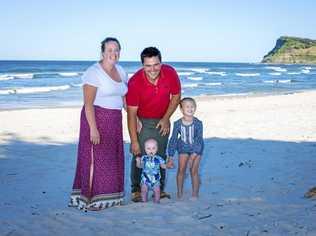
152,100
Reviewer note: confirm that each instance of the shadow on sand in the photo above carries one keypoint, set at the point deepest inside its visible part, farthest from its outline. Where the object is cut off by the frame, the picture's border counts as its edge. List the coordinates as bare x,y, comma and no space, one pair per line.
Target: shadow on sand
228,167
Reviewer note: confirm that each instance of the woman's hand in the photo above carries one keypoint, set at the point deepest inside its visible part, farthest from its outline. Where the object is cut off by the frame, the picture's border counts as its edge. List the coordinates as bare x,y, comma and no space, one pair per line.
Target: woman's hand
94,136
135,148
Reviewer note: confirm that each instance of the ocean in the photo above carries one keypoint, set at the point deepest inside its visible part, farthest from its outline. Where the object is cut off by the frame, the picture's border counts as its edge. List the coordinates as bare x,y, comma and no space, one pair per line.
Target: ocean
40,84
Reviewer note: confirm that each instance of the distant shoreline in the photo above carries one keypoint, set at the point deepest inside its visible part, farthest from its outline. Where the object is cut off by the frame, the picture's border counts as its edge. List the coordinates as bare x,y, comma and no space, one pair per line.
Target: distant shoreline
166,62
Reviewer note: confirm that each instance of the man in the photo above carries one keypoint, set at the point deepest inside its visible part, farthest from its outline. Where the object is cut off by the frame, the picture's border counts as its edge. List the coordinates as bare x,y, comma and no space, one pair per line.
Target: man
153,96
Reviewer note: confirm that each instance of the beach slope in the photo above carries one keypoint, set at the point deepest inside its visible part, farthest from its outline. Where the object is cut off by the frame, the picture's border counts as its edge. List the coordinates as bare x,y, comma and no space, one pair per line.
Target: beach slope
259,160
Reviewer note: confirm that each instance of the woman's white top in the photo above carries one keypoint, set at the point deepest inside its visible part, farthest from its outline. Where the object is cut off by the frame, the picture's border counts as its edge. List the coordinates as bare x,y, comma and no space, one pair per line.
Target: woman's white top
109,92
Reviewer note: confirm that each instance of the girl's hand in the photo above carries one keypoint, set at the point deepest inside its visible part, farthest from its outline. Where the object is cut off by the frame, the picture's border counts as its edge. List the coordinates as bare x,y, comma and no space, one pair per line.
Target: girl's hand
170,163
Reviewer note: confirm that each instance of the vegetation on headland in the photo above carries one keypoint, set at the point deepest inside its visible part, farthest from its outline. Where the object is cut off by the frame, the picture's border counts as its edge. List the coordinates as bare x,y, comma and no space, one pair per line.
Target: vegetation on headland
292,50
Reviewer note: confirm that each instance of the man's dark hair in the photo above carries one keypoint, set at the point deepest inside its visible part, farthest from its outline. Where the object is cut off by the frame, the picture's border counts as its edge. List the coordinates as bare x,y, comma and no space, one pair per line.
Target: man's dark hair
109,39
150,52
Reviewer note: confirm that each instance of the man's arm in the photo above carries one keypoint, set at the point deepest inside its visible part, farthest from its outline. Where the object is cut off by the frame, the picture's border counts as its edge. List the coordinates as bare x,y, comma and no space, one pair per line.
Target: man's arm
132,129
164,123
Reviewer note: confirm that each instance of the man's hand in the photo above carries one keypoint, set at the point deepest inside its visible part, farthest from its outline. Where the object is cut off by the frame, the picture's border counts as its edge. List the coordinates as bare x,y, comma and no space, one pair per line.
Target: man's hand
164,126
135,149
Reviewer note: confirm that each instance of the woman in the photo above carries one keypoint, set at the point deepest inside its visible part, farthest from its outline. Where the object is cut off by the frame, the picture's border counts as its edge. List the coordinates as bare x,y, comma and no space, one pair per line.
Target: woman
99,179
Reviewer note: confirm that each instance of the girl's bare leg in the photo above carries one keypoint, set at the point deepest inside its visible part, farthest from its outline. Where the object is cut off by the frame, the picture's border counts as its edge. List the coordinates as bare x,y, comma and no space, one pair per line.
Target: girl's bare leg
144,192
157,194
195,178
182,164
190,161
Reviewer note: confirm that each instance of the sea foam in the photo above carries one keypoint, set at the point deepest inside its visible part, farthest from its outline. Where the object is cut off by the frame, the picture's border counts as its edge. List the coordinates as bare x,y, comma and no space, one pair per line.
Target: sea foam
68,74
276,68
306,71
195,78
247,74
199,70
274,73
10,76
5,77
189,85
33,90
294,73
221,73
185,73
279,81
213,84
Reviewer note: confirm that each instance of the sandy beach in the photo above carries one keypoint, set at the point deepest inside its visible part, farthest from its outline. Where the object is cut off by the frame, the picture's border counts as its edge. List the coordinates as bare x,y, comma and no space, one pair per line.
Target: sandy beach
259,160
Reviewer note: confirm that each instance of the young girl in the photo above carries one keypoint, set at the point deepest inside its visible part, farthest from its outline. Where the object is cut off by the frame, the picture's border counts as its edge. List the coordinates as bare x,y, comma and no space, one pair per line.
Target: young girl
151,164
187,140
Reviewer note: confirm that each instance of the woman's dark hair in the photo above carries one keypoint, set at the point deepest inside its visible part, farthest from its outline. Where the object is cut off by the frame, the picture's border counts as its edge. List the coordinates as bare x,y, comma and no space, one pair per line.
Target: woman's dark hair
109,39
187,99
150,52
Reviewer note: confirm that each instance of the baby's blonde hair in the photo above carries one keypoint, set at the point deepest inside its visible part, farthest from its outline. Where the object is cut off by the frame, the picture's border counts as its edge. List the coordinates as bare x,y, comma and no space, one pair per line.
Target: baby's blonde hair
151,140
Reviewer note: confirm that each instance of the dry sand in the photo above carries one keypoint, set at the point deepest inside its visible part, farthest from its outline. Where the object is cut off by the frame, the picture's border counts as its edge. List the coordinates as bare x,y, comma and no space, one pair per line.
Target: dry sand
259,160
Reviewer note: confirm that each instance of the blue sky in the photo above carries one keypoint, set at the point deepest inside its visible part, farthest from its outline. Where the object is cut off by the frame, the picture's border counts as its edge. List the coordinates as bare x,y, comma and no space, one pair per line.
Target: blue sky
201,30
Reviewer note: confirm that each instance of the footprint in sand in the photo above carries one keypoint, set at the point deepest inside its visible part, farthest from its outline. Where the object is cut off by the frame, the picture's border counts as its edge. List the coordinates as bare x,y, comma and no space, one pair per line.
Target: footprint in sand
310,193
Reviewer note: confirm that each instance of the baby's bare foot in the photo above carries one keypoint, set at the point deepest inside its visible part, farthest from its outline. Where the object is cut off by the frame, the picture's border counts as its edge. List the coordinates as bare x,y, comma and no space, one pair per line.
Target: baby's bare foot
179,196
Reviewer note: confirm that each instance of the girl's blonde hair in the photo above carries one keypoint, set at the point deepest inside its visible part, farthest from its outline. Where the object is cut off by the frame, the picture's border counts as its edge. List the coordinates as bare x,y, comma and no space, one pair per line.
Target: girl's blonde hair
187,99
